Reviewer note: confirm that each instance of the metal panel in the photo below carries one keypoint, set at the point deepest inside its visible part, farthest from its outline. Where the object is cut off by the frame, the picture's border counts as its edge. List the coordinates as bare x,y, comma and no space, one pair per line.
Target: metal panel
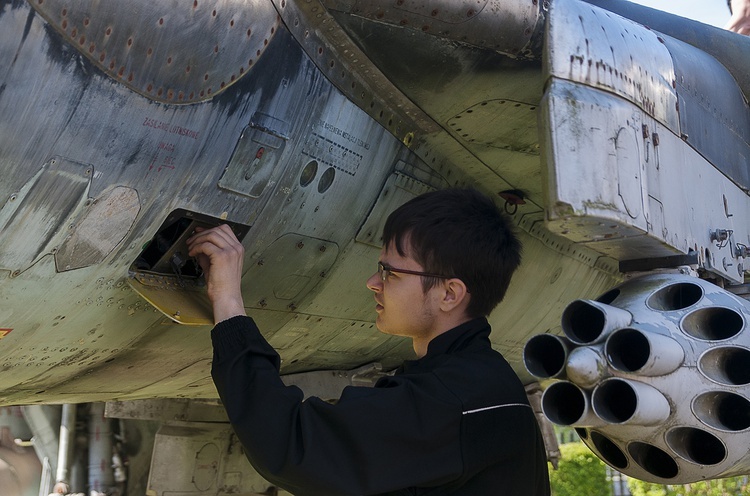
713,111
35,217
589,45
282,274
201,459
398,189
157,49
253,166
102,227
625,186
505,124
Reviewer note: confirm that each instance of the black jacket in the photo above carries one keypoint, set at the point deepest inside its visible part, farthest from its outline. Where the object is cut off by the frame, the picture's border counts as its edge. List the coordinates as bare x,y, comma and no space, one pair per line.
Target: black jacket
455,422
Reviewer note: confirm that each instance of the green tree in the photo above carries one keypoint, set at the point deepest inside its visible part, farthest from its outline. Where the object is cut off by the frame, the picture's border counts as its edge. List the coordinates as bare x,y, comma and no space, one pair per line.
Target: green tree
579,472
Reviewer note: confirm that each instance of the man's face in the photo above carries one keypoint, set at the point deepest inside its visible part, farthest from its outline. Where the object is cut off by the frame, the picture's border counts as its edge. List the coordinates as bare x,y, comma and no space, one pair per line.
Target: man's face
403,308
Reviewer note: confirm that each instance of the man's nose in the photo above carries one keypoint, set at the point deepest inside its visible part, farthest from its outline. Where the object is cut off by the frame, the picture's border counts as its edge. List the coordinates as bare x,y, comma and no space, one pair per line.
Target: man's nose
375,283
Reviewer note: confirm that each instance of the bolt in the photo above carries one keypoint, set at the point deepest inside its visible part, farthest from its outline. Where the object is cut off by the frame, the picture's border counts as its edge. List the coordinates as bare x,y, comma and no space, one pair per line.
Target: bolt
13,197
644,130
322,248
719,235
300,245
292,307
655,139
262,303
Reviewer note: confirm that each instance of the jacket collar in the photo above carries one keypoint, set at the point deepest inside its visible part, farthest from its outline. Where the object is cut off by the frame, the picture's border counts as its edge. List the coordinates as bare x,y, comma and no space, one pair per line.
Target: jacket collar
456,339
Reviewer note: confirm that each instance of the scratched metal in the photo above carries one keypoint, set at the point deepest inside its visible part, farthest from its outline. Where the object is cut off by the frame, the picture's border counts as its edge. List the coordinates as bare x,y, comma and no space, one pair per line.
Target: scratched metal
103,225
713,122
63,325
49,202
612,184
506,27
589,45
180,52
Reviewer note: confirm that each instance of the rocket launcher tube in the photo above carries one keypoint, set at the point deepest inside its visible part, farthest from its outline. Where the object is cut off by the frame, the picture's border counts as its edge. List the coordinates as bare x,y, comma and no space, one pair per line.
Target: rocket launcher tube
587,322
545,356
564,403
622,401
644,353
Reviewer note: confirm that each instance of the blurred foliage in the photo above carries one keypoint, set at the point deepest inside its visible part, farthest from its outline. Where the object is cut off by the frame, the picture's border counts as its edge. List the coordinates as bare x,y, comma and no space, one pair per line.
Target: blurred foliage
734,486
579,473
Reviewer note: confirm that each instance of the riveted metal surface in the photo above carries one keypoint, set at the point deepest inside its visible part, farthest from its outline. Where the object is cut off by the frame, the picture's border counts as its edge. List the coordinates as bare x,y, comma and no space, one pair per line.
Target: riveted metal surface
177,52
589,45
347,67
48,202
103,225
281,275
612,186
505,27
480,124
204,457
714,122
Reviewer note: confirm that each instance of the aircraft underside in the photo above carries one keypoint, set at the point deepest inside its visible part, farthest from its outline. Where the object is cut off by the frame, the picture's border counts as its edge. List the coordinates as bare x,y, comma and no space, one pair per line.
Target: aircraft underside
616,139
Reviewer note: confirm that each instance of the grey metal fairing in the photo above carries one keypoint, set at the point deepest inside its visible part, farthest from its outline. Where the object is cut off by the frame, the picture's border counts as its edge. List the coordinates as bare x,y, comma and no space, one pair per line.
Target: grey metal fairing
615,143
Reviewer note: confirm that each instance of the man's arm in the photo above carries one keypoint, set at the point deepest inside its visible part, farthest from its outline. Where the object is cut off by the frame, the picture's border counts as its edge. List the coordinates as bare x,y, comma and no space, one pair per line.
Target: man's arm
740,20
372,441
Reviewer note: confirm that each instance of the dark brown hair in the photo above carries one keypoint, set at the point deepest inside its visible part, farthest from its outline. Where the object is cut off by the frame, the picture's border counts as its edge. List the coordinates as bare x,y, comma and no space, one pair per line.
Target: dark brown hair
458,233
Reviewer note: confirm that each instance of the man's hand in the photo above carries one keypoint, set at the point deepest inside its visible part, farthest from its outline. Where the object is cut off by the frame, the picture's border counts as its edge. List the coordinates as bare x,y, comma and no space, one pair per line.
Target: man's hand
740,20
220,255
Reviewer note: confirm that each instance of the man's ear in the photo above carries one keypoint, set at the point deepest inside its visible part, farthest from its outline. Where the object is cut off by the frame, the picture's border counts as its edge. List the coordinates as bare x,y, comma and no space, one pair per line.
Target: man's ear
455,295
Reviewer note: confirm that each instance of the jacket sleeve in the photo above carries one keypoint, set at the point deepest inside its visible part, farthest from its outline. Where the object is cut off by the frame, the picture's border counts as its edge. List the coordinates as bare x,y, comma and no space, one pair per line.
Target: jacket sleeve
402,433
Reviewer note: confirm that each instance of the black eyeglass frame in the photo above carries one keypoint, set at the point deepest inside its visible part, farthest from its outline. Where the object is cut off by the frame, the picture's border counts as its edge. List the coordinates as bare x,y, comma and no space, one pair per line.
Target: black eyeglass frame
384,270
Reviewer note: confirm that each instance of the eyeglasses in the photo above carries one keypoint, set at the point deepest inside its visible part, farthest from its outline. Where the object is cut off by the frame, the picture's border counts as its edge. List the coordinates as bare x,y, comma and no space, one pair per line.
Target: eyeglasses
384,271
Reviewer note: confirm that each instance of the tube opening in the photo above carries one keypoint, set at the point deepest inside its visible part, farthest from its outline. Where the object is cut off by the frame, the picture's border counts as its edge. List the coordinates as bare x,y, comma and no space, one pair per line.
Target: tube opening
628,350
713,323
609,296
615,401
675,297
544,356
722,410
582,322
563,403
696,446
653,460
608,450
726,365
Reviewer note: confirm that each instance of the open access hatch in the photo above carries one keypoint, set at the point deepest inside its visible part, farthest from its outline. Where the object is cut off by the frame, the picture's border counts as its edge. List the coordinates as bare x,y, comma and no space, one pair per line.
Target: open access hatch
170,280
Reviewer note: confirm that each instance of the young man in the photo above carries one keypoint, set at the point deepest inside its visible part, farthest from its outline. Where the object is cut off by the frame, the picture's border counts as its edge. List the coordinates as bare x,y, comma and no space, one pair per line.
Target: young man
455,421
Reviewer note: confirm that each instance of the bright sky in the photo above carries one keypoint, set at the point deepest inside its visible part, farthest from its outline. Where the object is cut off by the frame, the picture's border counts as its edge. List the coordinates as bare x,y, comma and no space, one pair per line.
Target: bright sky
714,12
